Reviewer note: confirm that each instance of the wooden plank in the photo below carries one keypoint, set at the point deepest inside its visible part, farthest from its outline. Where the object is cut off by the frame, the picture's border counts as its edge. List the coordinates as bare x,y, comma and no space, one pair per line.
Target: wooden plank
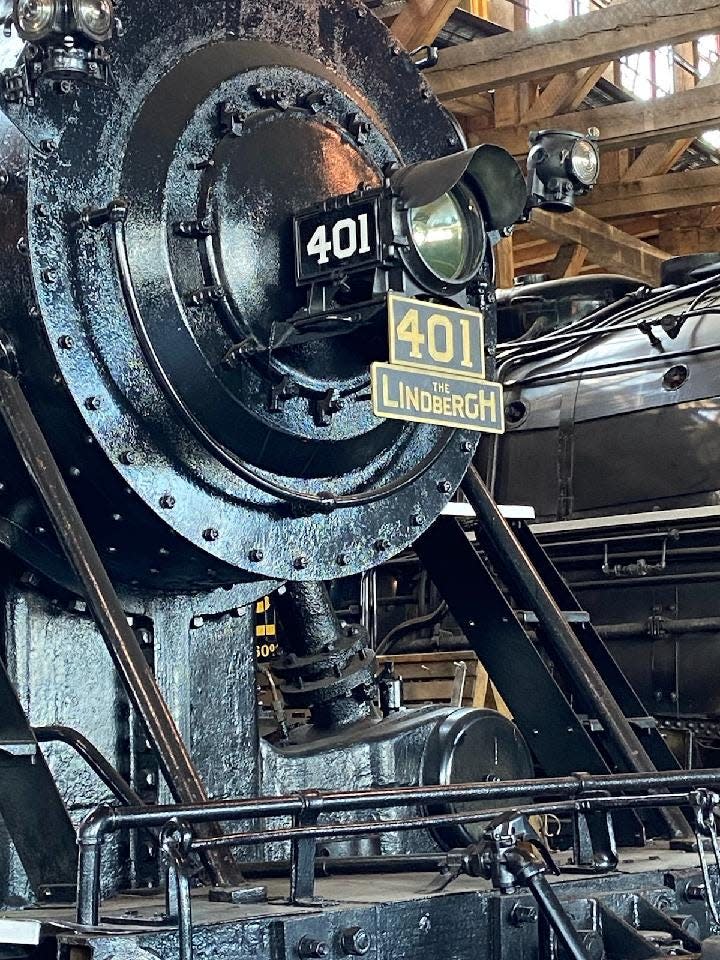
608,247
568,45
673,191
420,21
635,123
658,158
431,690
566,91
438,656
569,261
504,263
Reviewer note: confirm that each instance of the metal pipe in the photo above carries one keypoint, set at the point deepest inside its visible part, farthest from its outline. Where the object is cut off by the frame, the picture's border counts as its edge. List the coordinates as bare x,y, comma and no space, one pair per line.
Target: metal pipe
614,631
120,788
137,677
551,909
557,632
342,831
104,820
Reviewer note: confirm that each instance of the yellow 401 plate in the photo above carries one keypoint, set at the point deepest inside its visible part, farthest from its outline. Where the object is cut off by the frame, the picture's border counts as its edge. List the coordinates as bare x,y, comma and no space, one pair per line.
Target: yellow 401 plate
401,393
434,337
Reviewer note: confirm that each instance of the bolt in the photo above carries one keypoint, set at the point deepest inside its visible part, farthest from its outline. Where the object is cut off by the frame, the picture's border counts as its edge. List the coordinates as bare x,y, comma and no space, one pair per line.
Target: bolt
343,560
210,534
355,941
74,472
695,891
197,622
417,520
452,140
309,947
93,403
128,457
22,247
256,555
466,446
444,486
362,12
382,544
50,276
42,210
167,501
49,146
300,563
66,342
523,913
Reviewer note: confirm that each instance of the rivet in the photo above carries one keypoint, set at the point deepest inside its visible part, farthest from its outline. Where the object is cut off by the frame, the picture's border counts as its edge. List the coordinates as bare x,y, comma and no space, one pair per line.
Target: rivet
112,549
93,403
210,534
444,486
22,246
256,555
395,50
40,531
452,140
164,552
382,544
117,517
128,457
300,563
361,12
167,501
74,471
2,487
343,560
154,571
466,446
417,520
34,312
425,93
50,276
66,342
49,146
42,210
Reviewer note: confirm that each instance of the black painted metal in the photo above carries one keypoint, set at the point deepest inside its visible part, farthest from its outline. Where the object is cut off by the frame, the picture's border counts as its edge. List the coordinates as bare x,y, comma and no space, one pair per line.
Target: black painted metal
330,668
617,682
31,807
528,585
157,235
553,732
142,689
94,759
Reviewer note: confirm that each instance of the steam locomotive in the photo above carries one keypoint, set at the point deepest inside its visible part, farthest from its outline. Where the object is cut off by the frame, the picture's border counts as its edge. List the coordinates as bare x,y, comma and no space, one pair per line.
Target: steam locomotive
207,216
613,401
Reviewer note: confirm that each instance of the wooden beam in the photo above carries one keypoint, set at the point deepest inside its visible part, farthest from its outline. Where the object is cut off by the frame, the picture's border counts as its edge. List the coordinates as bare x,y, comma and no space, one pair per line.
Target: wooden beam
569,261
673,191
607,246
660,158
566,91
504,263
634,123
420,21
568,45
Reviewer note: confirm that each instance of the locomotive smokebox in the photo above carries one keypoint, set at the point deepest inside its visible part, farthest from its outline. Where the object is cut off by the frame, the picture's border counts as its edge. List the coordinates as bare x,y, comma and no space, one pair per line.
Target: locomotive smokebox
149,281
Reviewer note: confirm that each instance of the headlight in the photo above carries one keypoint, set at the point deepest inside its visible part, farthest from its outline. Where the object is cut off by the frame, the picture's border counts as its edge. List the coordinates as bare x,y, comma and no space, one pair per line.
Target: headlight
448,235
585,162
34,18
94,18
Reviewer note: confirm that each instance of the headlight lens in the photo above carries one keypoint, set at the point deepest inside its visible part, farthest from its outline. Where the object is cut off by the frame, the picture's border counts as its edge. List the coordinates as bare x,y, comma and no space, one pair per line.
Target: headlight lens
95,17
443,234
585,162
33,18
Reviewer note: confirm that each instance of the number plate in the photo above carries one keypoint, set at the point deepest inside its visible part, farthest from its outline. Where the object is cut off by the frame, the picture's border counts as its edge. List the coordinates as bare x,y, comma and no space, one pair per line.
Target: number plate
332,240
401,393
435,337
